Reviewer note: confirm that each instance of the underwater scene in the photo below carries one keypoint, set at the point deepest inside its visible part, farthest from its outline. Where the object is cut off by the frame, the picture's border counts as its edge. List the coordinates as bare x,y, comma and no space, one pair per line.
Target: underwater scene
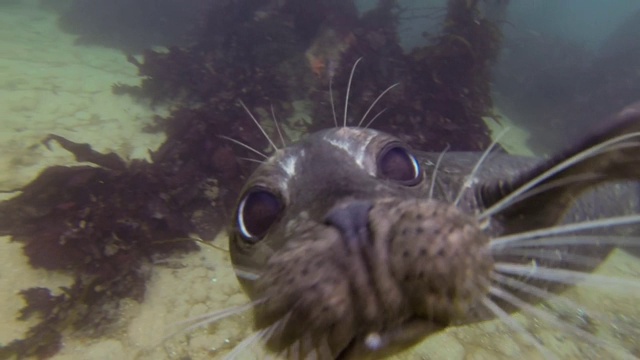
319,179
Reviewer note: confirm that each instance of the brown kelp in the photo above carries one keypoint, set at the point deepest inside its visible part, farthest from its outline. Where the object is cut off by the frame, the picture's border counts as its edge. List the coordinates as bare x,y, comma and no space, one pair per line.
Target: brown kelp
106,223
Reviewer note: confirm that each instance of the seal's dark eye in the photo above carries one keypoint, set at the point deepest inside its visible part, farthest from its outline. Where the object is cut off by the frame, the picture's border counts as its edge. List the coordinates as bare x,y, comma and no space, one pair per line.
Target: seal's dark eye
257,211
398,164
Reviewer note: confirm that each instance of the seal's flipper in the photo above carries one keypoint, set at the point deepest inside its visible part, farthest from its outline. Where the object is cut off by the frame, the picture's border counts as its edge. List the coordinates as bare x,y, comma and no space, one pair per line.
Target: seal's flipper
539,197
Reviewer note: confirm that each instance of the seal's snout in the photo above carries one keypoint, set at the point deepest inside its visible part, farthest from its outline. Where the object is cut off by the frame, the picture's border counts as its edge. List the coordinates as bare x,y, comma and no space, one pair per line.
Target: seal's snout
437,255
351,220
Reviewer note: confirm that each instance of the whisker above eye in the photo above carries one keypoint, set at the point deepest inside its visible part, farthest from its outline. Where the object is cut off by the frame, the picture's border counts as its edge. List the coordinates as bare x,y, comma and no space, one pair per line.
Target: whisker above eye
273,144
346,98
250,160
374,104
375,117
333,105
275,122
244,145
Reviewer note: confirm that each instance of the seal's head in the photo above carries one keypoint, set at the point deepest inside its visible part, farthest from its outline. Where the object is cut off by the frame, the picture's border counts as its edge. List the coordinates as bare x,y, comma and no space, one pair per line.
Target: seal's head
344,254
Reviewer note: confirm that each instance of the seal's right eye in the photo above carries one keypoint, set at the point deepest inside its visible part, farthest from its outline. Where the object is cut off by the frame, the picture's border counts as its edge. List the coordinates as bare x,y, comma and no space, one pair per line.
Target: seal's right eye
258,210
397,163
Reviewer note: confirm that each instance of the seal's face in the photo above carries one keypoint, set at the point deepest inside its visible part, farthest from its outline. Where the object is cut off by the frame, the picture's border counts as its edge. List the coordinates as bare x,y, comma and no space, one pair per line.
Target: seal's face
346,254
337,241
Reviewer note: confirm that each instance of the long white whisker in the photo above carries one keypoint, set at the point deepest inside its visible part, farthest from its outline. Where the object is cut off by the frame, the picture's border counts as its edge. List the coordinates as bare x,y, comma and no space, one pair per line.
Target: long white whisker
563,276
243,145
531,289
251,160
210,318
543,294
271,329
246,343
275,328
549,318
513,324
258,125
375,117
591,152
435,171
275,121
333,106
563,229
471,177
582,240
346,100
552,255
556,184
262,335
375,102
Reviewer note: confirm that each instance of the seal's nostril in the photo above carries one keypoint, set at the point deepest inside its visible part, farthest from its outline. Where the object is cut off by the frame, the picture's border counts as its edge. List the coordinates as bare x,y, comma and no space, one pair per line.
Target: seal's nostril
351,219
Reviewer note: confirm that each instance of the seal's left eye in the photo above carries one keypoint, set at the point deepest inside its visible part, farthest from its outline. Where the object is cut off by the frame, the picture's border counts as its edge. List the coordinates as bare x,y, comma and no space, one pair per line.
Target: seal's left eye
396,163
257,211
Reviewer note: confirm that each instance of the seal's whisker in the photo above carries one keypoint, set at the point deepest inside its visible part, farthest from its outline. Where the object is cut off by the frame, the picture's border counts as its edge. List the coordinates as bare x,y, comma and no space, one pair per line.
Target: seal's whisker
612,144
516,326
246,344
502,241
210,318
547,296
540,293
582,240
553,255
564,276
470,179
244,145
574,179
435,171
548,317
258,125
333,105
278,327
260,336
251,160
275,122
346,99
375,117
375,102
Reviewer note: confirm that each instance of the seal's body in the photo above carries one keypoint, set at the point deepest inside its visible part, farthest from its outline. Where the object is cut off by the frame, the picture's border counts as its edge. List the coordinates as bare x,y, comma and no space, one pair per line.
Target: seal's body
352,245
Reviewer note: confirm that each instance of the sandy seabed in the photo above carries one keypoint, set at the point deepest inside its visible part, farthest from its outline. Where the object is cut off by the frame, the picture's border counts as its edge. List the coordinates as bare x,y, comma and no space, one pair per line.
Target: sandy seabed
49,85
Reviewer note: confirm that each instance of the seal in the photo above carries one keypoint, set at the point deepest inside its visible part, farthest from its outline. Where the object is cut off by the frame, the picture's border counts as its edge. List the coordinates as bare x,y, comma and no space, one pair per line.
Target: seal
353,245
